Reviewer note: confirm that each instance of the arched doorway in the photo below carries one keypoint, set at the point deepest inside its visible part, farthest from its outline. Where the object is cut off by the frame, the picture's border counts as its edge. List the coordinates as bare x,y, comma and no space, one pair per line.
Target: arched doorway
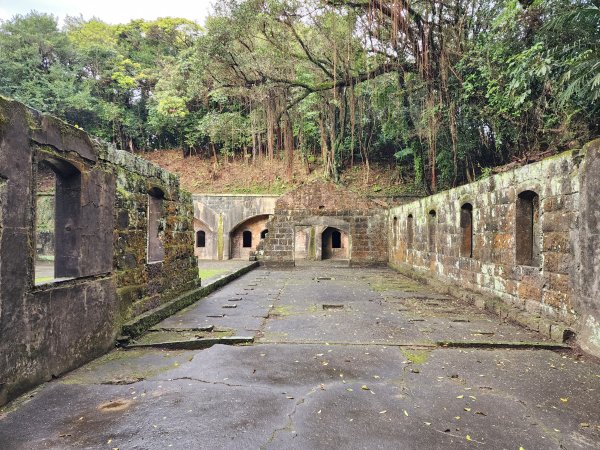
334,244
246,236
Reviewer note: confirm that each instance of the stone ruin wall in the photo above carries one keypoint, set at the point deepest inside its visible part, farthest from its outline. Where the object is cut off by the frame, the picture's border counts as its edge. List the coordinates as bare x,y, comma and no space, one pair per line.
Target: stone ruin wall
223,217
317,206
141,285
562,285
51,328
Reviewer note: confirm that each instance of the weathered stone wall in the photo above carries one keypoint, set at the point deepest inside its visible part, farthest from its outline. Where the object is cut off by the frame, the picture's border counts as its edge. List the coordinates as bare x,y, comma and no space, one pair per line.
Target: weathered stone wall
143,285
220,215
101,223
587,251
310,210
560,282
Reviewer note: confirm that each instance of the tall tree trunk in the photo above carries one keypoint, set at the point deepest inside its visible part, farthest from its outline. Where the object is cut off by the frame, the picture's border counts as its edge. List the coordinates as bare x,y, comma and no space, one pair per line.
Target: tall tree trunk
324,149
270,126
288,133
352,124
215,159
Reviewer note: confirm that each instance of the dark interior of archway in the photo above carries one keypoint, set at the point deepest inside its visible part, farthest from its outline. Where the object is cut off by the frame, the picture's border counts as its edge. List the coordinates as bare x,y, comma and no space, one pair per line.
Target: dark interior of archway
331,241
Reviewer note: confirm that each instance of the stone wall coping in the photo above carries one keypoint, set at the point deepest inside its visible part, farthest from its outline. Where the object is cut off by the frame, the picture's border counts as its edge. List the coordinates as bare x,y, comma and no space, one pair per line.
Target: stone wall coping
200,195
430,201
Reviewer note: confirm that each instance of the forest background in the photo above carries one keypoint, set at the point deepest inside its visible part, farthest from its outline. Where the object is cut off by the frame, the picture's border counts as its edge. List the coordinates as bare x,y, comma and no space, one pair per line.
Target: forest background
441,91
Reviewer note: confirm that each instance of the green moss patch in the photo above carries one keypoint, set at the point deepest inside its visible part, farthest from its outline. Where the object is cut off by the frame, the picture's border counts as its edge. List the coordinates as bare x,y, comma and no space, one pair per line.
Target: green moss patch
416,356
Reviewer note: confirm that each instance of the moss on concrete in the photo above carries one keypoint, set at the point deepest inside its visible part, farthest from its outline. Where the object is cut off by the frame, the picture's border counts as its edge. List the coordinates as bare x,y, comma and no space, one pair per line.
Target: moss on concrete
126,367
416,356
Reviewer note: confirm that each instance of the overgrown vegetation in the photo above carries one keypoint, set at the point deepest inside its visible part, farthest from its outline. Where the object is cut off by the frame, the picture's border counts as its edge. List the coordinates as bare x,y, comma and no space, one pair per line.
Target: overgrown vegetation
442,89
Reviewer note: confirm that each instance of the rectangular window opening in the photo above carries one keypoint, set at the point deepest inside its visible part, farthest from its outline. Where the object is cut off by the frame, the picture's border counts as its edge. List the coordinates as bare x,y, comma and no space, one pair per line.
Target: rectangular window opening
409,232
466,226
156,226
57,226
528,230
431,231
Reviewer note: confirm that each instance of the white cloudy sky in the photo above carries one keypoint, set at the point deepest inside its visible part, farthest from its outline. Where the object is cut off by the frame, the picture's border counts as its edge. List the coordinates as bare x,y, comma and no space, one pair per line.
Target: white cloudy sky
111,11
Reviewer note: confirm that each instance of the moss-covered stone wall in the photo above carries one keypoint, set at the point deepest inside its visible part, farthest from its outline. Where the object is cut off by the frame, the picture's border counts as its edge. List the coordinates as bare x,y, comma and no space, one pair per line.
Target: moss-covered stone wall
550,285
141,285
101,227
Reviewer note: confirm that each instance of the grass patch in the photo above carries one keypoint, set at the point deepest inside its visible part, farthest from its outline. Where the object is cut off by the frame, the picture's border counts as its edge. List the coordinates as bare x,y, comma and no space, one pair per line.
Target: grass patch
41,280
416,356
280,311
211,273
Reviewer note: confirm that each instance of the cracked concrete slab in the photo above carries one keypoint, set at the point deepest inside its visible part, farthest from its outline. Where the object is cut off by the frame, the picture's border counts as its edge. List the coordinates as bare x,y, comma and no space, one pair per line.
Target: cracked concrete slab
333,379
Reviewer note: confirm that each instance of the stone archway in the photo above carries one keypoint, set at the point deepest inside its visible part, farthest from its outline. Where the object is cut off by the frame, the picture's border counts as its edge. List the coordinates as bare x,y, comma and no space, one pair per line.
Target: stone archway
246,236
334,244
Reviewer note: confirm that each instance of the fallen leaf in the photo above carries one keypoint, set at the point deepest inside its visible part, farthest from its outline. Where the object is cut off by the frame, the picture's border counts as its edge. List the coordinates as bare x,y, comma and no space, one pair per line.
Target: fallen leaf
383,412
461,396
457,417
469,438
564,400
467,409
427,423
405,413
349,389
364,387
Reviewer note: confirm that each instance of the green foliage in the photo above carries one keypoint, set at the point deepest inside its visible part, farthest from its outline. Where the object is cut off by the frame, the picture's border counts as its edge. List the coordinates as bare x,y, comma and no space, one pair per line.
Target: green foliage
492,82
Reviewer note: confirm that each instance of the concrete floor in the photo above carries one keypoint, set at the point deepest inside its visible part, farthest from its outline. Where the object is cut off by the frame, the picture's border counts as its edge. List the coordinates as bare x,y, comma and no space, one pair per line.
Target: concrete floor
343,358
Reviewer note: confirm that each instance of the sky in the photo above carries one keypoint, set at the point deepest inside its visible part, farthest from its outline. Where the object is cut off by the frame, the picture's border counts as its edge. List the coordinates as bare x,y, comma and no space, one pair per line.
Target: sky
111,11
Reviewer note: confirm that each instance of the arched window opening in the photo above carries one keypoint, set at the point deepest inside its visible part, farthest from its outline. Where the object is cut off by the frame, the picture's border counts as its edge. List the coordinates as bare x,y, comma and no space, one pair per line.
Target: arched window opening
466,226
247,239
336,239
528,231
395,231
156,225
201,239
263,234
431,230
409,231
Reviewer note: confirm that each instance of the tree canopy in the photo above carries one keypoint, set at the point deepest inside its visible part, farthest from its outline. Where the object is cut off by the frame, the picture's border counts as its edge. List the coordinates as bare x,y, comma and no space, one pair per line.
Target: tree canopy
444,89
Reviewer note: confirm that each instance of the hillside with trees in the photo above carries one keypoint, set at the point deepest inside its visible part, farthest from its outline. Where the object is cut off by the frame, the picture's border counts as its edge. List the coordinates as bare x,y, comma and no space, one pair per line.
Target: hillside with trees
439,92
